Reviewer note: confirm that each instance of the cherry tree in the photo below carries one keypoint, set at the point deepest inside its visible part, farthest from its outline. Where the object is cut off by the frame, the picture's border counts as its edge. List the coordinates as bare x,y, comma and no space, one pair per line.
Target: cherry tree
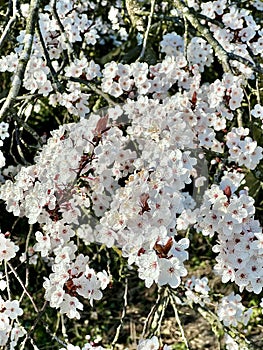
130,129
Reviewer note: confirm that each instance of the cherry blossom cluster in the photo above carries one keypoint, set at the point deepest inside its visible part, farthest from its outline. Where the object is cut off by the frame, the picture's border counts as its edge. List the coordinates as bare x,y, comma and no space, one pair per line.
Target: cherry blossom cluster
257,112
78,172
198,50
8,248
64,183
242,149
233,344
197,290
9,311
132,182
231,311
73,99
70,280
140,79
239,34
59,29
239,236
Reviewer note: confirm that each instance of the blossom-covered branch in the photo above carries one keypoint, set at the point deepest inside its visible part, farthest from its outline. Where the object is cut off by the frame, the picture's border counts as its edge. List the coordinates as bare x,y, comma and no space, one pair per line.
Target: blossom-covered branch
24,58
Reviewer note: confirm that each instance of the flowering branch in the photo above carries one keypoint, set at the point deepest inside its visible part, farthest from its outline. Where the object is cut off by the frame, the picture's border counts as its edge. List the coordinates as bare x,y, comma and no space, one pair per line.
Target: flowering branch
222,54
57,84
91,87
23,60
69,47
132,177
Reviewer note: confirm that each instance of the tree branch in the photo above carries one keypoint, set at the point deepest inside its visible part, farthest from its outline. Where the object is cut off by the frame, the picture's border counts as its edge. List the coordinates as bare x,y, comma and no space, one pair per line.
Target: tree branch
147,30
220,52
23,286
125,304
70,51
23,60
91,87
9,25
53,73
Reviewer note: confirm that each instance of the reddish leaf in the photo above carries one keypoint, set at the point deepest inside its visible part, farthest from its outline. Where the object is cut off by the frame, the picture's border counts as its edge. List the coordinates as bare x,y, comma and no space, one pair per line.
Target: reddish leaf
144,203
163,250
101,125
227,191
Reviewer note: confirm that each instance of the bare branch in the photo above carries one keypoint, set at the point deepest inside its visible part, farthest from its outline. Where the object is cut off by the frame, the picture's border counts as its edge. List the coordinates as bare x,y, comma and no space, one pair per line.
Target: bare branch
178,321
9,25
125,303
23,286
147,30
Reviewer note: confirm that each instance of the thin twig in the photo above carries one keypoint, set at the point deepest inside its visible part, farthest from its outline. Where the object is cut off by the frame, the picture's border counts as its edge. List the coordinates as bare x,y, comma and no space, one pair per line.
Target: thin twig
91,87
248,105
257,91
9,25
11,148
185,36
70,51
149,316
59,341
18,146
27,271
159,313
30,130
23,286
239,118
28,335
147,30
63,328
7,281
178,321
125,304
54,74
